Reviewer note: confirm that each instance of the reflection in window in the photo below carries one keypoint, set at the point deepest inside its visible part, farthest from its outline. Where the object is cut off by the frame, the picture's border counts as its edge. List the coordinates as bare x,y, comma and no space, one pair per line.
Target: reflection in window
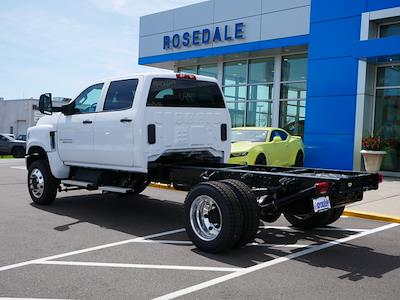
237,112
208,70
387,30
120,94
261,70
235,93
292,116
86,102
259,113
189,70
260,92
296,90
294,68
235,73
388,76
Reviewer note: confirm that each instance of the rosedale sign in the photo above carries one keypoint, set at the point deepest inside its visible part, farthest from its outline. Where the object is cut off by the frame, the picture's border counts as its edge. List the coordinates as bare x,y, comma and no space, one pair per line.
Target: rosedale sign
204,36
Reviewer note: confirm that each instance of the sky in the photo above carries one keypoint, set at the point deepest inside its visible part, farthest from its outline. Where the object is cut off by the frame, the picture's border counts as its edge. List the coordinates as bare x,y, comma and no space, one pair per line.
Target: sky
63,46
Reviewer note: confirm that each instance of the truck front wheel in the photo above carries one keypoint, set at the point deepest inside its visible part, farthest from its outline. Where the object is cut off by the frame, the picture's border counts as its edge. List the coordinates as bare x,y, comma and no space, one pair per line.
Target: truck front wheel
213,217
42,185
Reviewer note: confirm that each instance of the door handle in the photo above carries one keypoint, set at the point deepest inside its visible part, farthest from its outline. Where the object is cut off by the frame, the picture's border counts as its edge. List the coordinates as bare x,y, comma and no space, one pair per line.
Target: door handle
125,120
87,122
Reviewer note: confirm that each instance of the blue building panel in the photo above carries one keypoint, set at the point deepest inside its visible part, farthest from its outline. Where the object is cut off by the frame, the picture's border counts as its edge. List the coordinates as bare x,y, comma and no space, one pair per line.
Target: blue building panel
382,4
324,10
332,77
330,115
335,37
332,151
374,49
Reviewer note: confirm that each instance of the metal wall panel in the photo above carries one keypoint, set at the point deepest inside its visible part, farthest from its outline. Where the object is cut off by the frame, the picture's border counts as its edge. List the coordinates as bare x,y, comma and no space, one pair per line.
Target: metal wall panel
194,15
285,23
157,23
225,10
276,5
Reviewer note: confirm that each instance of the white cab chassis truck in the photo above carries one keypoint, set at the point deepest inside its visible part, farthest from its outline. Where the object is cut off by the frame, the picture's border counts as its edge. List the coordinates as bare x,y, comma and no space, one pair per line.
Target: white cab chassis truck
119,135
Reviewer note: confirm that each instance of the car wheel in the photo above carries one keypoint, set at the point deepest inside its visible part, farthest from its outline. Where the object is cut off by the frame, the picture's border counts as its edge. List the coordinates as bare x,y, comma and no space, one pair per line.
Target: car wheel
261,160
299,160
18,152
213,217
42,185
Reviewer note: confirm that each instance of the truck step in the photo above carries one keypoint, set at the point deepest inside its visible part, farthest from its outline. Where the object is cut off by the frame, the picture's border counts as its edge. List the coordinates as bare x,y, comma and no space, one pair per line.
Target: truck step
115,189
85,184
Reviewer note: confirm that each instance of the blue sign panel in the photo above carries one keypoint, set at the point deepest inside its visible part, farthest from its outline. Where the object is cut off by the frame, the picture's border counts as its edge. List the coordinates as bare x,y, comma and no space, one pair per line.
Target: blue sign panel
204,36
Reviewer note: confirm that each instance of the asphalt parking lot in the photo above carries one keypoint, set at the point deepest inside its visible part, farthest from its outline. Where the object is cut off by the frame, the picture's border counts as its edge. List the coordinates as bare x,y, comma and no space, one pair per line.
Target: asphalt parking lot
93,246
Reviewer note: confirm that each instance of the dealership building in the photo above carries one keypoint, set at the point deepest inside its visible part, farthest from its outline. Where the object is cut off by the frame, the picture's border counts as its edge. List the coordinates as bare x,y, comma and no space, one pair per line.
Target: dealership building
326,70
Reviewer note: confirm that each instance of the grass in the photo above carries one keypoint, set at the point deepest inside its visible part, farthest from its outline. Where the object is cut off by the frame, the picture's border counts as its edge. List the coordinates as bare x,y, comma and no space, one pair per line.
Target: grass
6,156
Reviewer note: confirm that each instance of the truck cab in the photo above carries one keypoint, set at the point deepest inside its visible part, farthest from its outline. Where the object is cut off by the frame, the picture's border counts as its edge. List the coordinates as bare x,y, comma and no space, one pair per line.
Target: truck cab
125,123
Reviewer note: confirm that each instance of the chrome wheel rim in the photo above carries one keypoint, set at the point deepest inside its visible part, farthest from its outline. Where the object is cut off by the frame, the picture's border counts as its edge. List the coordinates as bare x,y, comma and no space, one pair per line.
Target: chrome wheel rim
205,218
36,183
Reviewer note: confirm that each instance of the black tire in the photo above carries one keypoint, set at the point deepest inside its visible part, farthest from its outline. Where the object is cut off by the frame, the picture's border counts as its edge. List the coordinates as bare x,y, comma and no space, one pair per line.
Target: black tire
18,152
316,219
261,160
140,186
299,160
44,190
230,212
250,210
335,214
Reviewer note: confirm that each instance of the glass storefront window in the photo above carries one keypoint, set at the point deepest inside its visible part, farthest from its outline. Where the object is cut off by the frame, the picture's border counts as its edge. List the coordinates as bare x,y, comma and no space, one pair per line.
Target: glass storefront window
235,93
235,73
292,116
189,70
294,68
237,112
387,115
260,92
261,70
388,76
296,90
259,114
208,70
387,30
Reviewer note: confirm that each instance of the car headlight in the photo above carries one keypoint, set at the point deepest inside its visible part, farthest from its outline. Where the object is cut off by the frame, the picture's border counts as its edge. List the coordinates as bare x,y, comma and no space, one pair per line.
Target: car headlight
238,154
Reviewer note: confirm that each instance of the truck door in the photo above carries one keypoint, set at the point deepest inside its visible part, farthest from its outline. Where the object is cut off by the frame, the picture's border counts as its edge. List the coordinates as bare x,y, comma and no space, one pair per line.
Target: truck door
75,132
113,129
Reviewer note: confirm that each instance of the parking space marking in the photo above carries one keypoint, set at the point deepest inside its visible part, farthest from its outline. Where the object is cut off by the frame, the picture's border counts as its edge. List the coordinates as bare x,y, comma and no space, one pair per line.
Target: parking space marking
138,266
34,261
315,229
18,167
279,246
270,263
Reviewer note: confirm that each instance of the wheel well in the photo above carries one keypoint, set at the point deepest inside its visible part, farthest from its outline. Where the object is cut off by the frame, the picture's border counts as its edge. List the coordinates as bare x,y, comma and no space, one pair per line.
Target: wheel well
261,155
35,153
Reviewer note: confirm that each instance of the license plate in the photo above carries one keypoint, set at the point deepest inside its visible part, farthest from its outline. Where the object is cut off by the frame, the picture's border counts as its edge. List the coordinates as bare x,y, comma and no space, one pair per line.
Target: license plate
321,204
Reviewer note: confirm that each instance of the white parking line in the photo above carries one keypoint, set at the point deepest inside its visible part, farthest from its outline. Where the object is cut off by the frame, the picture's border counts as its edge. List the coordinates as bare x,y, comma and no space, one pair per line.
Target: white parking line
279,246
315,229
138,266
18,167
267,264
35,261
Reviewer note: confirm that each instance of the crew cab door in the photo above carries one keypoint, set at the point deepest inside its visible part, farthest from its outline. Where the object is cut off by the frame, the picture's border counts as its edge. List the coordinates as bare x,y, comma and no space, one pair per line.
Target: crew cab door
113,129
75,132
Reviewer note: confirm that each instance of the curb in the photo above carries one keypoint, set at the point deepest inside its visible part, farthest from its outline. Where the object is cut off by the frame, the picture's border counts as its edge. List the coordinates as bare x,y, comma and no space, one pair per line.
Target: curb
371,216
161,186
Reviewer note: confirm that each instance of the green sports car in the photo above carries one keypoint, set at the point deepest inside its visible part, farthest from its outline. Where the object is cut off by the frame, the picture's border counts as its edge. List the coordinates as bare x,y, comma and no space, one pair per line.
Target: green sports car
266,146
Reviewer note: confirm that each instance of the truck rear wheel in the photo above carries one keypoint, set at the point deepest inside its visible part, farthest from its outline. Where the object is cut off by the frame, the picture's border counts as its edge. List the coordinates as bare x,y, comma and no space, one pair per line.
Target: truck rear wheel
250,210
316,219
140,186
42,185
213,217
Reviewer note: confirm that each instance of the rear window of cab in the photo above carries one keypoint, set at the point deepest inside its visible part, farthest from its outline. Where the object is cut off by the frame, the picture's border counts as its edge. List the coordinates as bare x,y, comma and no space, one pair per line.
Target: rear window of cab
183,92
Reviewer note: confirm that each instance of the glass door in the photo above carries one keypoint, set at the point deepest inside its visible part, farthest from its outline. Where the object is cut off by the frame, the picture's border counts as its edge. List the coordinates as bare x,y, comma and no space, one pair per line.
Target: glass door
387,114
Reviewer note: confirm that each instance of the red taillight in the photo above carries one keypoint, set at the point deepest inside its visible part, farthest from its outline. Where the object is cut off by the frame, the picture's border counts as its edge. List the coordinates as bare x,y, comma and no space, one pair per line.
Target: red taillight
186,76
322,187
380,177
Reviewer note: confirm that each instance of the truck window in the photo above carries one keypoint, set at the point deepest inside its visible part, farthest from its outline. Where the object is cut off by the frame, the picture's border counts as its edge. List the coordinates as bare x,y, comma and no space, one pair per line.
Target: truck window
184,93
86,102
120,94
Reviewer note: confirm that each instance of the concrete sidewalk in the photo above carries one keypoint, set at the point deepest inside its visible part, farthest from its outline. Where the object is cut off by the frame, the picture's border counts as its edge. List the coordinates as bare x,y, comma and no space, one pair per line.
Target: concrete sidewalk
382,204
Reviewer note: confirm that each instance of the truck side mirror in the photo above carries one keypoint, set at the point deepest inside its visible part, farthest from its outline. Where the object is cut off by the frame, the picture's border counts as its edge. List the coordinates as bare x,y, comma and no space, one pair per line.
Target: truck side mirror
46,104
